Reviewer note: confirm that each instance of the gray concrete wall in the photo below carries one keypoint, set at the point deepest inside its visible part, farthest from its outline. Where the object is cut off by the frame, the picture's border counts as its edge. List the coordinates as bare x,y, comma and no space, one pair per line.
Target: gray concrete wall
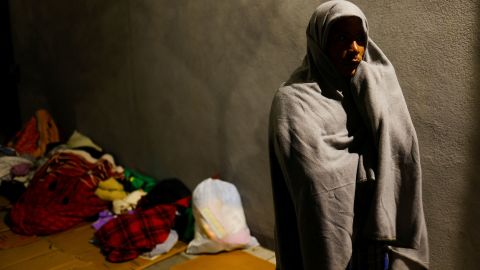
183,88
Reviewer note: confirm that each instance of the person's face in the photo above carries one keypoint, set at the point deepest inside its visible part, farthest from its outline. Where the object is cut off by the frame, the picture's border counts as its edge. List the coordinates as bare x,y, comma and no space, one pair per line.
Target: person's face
346,45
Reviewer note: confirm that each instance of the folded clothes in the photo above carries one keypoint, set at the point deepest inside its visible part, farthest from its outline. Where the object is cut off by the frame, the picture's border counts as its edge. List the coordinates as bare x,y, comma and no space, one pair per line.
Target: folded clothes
110,184
110,195
110,190
128,203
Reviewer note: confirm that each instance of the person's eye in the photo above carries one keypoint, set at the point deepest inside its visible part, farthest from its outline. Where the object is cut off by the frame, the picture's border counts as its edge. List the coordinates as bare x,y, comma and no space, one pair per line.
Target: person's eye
361,39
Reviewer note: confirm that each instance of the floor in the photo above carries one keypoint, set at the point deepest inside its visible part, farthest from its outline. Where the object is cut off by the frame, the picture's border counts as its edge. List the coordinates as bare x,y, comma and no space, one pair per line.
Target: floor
259,252
76,240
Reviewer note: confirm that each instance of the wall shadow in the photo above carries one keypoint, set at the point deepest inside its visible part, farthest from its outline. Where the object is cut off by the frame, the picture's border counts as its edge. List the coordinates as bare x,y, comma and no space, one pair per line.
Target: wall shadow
468,245
10,110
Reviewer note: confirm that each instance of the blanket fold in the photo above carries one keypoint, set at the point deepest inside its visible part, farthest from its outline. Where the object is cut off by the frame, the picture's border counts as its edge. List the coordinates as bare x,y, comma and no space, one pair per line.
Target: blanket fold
397,211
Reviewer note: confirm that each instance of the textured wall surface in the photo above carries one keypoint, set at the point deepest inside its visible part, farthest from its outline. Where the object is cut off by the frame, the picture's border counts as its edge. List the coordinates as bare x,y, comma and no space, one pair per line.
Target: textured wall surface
183,88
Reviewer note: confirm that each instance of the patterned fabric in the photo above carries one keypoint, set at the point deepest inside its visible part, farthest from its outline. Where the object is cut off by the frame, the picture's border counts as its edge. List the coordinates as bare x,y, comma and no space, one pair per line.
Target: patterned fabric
39,131
129,235
172,190
61,195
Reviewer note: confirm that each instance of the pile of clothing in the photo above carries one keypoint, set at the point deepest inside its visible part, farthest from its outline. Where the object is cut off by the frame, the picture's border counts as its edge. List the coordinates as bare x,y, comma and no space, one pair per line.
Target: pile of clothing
153,225
62,184
61,193
65,184
18,159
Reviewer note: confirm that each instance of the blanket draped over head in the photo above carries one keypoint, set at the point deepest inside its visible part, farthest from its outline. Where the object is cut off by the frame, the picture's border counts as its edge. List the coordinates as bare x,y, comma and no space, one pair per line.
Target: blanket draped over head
327,135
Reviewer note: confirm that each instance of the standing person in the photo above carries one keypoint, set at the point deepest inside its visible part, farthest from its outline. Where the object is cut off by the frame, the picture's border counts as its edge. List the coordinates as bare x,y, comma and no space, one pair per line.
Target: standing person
344,155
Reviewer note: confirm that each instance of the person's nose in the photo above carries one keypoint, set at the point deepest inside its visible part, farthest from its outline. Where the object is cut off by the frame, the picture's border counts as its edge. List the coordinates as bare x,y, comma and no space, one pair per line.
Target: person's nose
354,46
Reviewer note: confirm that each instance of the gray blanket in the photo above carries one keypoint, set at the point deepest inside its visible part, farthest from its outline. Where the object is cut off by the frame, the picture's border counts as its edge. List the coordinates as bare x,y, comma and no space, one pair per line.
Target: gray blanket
397,212
326,137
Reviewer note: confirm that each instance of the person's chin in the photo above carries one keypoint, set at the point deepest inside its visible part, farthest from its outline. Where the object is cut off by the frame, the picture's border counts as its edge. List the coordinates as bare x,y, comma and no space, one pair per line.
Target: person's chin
348,73
349,70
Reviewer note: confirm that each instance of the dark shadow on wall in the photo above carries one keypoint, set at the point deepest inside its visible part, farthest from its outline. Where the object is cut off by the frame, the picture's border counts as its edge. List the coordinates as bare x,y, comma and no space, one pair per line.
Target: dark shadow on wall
9,110
40,69
468,251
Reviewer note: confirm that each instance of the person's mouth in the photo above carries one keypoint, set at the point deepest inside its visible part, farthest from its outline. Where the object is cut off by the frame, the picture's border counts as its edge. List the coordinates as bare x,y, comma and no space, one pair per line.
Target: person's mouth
355,61
352,64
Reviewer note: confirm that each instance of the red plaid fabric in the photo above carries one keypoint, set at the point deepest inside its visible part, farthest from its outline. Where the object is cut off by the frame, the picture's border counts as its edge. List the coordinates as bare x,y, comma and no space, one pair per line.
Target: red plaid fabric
60,195
129,235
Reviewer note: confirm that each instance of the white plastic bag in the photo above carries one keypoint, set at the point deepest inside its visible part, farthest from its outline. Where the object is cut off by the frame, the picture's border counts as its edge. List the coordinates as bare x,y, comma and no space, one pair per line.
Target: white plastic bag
219,219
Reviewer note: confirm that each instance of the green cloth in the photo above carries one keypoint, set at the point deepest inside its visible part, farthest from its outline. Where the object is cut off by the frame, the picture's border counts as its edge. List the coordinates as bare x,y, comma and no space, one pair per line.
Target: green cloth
139,181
